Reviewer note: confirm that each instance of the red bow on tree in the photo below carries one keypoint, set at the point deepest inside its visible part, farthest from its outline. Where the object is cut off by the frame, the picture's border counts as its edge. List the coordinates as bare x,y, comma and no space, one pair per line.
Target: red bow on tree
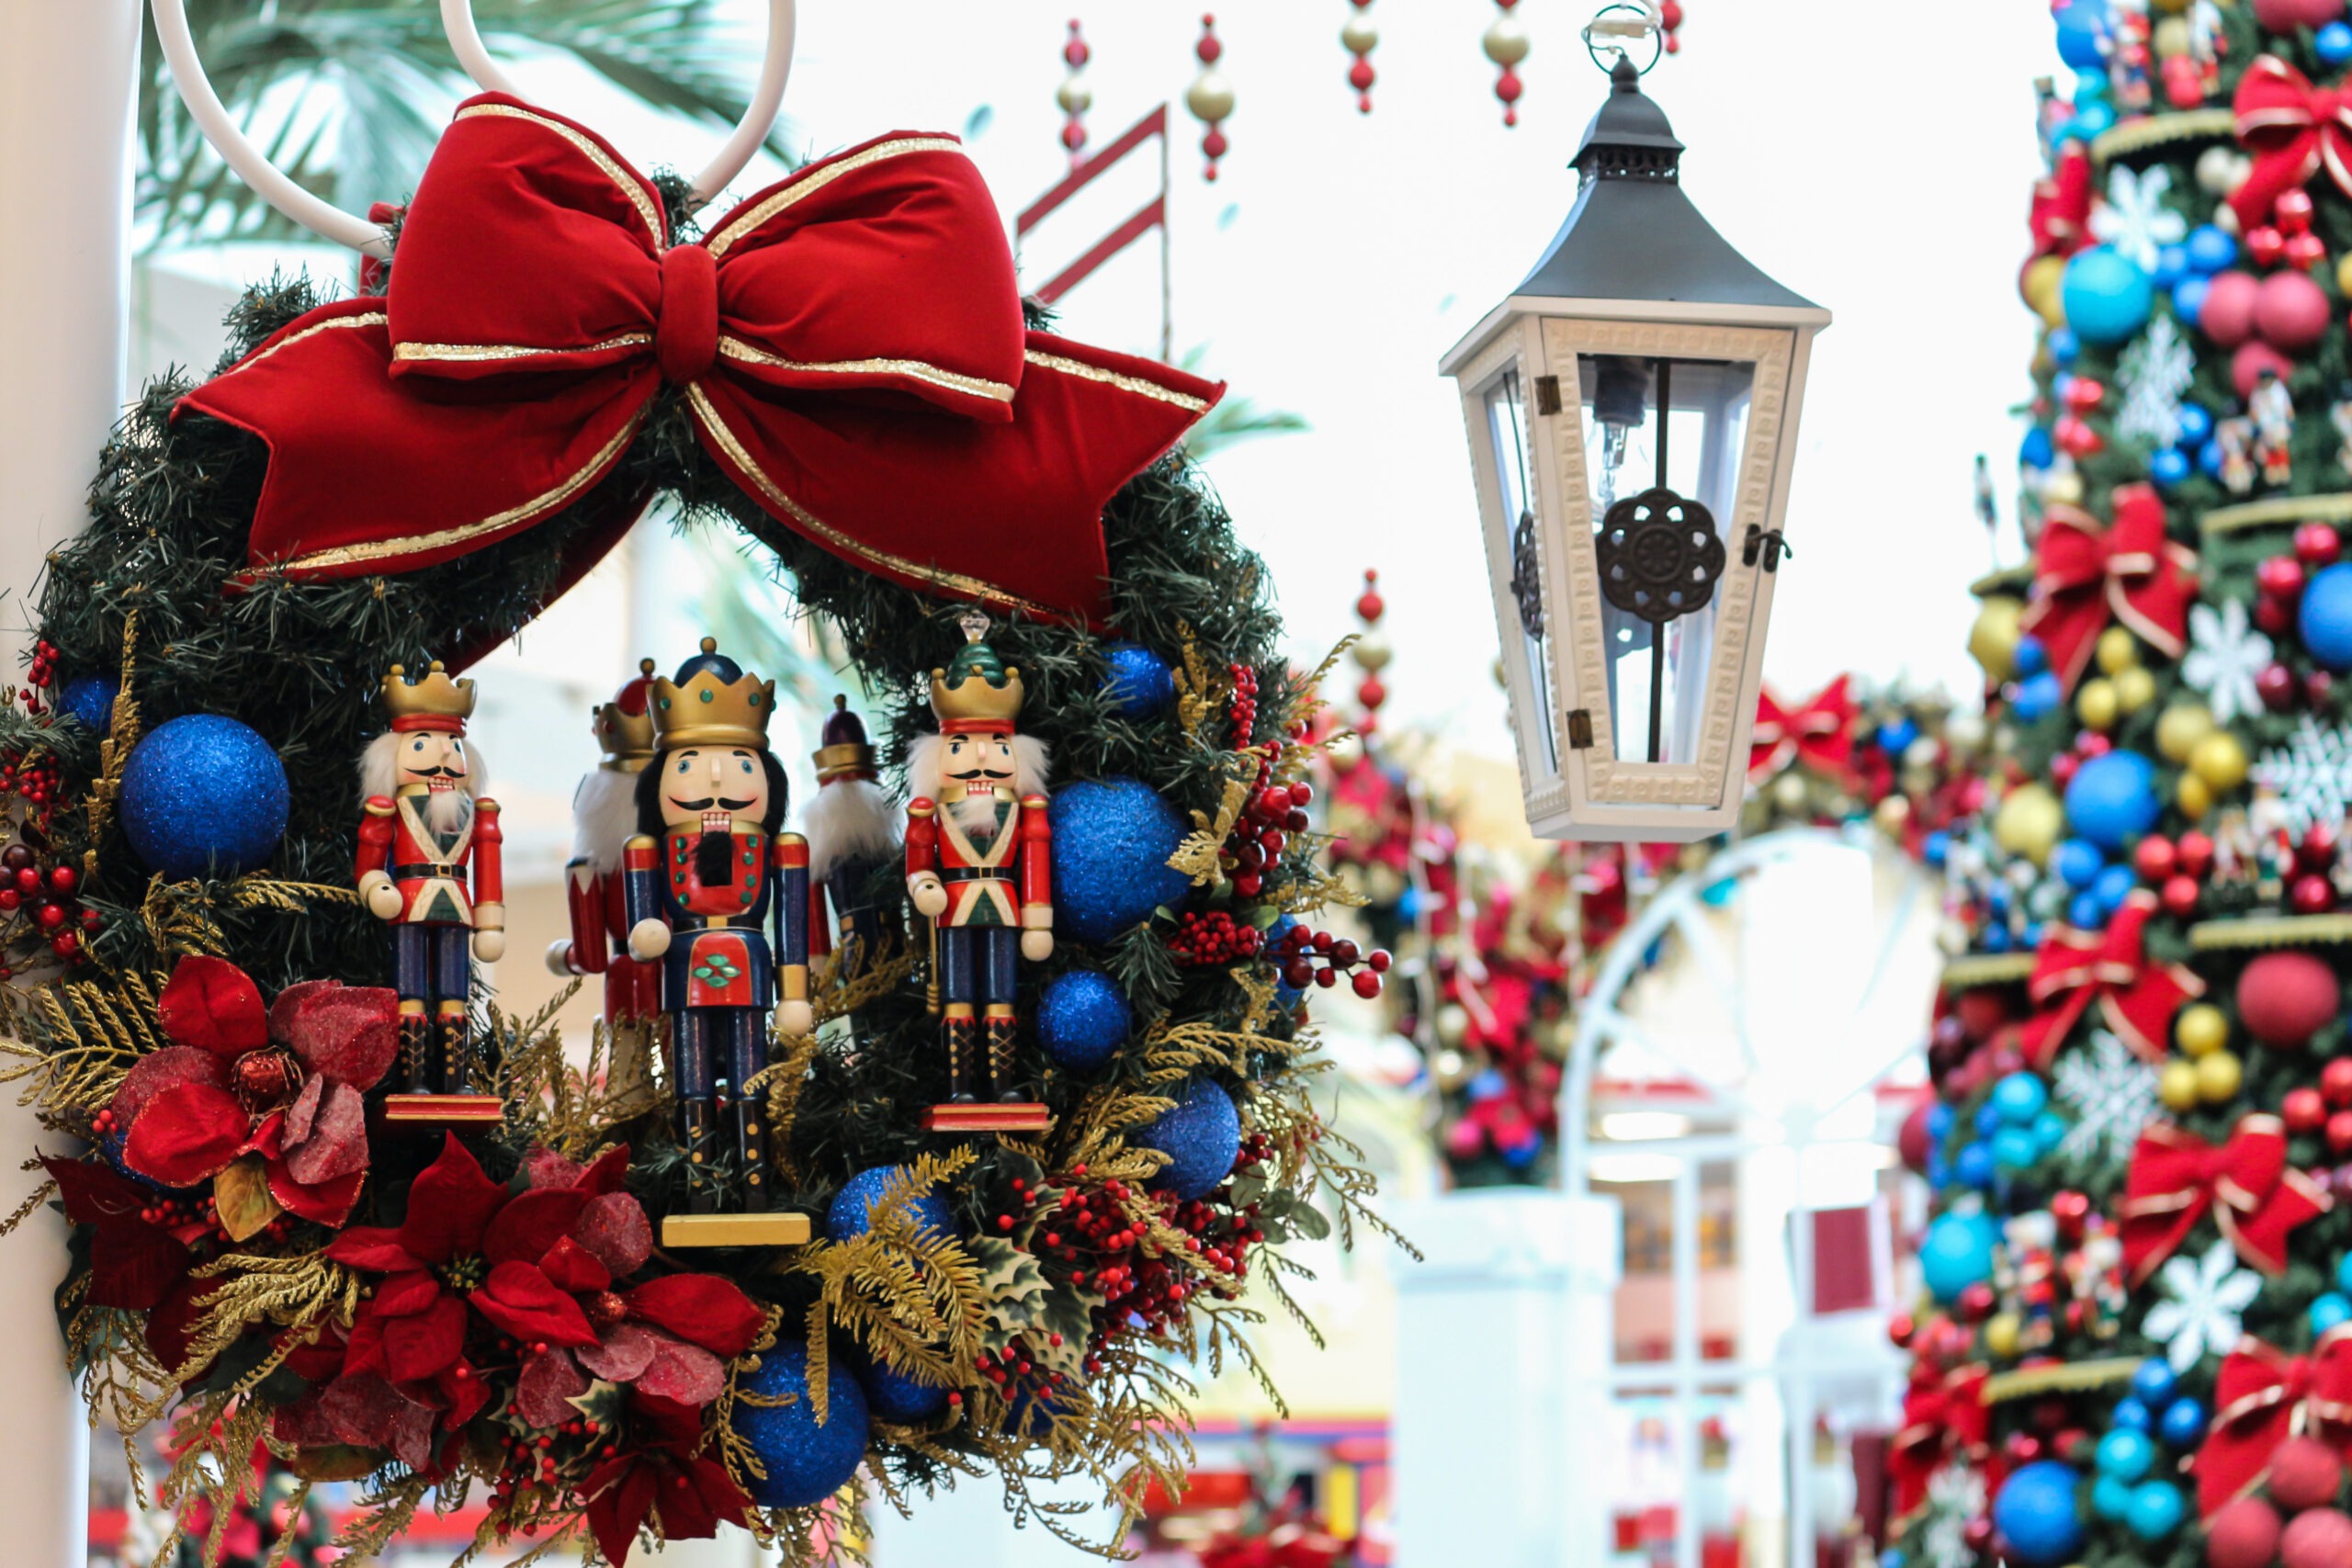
2246,1184
847,344
1940,1421
2130,573
2136,998
2061,214
2292,128
1820,733
2264,1397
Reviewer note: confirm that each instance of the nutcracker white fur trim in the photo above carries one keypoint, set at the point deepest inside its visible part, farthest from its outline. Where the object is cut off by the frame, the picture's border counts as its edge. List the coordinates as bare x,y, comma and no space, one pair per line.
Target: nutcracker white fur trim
1032,768
604,815
848,820
377,777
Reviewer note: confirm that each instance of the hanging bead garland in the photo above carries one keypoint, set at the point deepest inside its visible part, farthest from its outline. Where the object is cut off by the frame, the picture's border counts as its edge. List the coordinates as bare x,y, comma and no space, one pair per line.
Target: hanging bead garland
1210,98
1073,94
1506,44
1669,21
1359,36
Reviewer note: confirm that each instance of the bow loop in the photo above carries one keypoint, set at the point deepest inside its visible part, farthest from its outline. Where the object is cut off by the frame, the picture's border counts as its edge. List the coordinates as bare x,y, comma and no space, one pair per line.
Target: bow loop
1943,1419
2176,1179
2137,999
1820,733
2131,573
2293,130
2262,1396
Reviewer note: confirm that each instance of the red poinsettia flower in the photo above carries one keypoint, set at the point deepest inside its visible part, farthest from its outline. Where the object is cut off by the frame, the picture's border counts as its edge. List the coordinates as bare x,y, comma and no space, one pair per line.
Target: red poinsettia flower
133,1263
658,1472
285,1084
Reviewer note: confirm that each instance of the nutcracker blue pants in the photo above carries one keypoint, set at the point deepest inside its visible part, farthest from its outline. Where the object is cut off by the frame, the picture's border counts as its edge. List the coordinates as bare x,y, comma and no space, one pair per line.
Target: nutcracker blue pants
429,963
976,964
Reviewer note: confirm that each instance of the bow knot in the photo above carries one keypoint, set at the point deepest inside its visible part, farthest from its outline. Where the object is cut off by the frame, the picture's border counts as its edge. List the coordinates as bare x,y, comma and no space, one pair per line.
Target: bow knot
2084,577
1942,1419
685,341
2263,1396
2137,999
1820,733
2293,130
2254,1195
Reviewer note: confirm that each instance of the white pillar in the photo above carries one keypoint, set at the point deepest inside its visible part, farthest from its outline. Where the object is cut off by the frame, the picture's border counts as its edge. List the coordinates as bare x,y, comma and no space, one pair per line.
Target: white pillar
968,1528
731,1548
1503,1336
68,84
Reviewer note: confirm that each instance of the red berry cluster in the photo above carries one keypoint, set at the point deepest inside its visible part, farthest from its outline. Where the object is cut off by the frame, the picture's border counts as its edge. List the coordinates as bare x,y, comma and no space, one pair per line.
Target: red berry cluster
2328,1107
532,1456
2176,868
1317,958
2279,581
1205,939
1243,709
1272,814
2288,236
46,901
42,674
37,783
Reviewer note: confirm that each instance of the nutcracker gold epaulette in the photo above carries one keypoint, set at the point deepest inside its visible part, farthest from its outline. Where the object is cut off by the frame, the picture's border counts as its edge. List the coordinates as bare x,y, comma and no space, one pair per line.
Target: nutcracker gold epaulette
710,709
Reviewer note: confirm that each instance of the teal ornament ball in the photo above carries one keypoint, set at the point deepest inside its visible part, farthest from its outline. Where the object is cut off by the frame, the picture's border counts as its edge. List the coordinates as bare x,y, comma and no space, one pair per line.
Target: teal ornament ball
1201,1137
2157,1508
1083,1019
896,1396
2112,799
2106,295
204,795
806,1463
1112,840
90,698
2037,1514
1957,1253
1140,684
851,1214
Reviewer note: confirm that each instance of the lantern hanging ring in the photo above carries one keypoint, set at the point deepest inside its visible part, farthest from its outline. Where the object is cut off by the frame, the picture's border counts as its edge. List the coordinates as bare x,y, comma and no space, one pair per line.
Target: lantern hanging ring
1626,20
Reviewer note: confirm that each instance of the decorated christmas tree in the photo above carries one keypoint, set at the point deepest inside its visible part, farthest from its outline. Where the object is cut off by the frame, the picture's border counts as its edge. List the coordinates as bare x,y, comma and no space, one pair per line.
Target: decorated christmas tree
2135,1343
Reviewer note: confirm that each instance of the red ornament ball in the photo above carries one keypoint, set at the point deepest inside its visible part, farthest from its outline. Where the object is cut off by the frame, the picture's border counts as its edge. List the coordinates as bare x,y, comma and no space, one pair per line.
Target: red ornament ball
2251,360
2336,1081
2286,998
1911,1142
2276,686
2321,1539
2244,1534
2305,1473
2070,1209
2304,1109
2339,1132
2312,895
2227,315
2280,576
2196,852
2285,15
2154,859
2290,312
2316,544
1981,1012
2180,897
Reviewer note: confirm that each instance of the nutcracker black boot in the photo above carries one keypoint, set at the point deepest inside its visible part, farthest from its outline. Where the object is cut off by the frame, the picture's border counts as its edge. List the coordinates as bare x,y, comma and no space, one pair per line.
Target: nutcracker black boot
696,1118
457,1050
416,1050
956,1030
745,1136
1000,1029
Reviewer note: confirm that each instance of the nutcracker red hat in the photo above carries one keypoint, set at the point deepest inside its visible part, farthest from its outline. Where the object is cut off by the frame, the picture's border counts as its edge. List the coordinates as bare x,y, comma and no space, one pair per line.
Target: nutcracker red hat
624,727
434,702
977,691
844,753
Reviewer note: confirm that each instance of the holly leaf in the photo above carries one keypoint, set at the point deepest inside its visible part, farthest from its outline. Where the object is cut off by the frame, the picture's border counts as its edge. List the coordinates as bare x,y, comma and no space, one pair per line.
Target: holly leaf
603,1404
1015,1288
1066,1314
1282,1214
240,1191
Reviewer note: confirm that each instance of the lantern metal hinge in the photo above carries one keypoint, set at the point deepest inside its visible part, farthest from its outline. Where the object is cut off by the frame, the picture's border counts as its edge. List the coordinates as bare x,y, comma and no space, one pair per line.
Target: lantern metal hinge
1580,729
1547,394
1767,544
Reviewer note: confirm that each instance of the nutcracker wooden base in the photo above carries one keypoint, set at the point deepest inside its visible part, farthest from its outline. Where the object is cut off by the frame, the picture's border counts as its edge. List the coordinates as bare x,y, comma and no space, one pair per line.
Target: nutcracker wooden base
427,1112
985,1118
735,1230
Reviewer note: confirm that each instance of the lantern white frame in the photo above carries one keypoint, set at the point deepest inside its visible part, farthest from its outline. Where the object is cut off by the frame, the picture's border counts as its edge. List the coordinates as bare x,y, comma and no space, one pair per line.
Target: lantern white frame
1592,793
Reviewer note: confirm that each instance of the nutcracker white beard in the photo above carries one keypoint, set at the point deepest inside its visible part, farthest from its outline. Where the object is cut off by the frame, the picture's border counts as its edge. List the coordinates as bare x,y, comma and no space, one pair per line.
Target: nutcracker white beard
850,819
1031,769
445,810
604,815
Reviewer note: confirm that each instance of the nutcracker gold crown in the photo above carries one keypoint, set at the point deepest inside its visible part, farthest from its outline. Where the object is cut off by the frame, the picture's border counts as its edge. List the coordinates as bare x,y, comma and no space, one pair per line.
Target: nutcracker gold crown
434,702
978,689
710,710
625,737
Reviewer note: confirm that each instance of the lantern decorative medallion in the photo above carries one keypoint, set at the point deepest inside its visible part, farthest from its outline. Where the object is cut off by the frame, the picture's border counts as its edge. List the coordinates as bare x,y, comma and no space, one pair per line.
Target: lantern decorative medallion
1632,414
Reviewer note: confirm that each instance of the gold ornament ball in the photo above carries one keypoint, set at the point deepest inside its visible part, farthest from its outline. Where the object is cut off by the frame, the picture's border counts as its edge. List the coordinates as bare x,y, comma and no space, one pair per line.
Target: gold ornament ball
2001,1331
1993,640
1891,814
2219,760
1789,792
1210,98
2064,489
2201,1029
2116,651
2171,36
2219,1077
1965,732
2179,727
1073,98
2041,285
2344,274
1453,1025
1360,36
2134,688
2194,796
2097,704
2177,1086
1506,41
1372,653
2029,822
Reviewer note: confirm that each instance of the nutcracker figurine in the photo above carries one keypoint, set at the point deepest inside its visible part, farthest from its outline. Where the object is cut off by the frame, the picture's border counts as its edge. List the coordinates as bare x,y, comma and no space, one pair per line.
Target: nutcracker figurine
424,836
603,816
705,871
979,868
855,834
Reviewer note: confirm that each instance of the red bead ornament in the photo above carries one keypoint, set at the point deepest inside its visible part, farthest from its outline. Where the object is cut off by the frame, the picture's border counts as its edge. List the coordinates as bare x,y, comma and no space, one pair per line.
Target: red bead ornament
1073,95
2072,1210
2317,544
1358,37
1506,43
2304,252
2196,854
2265,244
1976,1301
2339,1132
2084,394
2336,1081
2077,438
2293,211
2276,686
2244,1534
2304,1110
1670,19
2273,615
2312,894
2320,1539
2282,577
2304,1474
2153,858
2286,998
1899,1330
1370,606
2317,685
1210,98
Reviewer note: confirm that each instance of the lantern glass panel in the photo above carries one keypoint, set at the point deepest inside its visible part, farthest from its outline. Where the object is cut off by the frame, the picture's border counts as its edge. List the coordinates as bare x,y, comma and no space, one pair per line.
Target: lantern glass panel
1662,489
1508,431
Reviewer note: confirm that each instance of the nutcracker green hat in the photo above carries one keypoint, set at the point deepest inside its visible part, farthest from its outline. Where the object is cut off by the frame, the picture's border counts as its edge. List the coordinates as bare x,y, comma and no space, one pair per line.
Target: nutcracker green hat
978,689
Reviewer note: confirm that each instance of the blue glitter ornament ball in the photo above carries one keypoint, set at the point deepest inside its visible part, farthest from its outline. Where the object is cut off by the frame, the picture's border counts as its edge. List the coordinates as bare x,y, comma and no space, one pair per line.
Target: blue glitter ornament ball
90,698
204,794
1111,841
2037,1512
2112,799
1083,1018
851,1215
2324,617
1141,684
1202,1136
895,1396
804,1462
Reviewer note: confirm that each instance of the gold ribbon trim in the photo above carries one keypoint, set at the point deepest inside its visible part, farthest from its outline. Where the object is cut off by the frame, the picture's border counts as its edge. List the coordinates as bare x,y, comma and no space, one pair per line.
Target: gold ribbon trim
648,210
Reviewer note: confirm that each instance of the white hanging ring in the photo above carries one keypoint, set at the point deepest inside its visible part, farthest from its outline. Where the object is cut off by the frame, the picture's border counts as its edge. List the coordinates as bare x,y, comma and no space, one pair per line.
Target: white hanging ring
759,118
269,182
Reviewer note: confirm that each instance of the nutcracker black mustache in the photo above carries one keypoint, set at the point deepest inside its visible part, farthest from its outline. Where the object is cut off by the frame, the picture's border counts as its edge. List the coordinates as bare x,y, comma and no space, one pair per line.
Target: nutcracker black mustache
978,773
707,801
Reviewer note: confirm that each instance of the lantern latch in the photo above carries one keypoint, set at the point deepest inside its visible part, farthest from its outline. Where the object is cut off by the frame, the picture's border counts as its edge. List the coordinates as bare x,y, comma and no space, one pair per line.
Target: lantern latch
1766,545
1580,729
1547,394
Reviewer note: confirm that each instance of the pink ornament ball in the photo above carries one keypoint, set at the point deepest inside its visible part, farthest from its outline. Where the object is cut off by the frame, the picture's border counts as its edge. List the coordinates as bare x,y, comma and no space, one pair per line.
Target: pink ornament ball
2290,312
2305,1473
2321,1539
2244,1534
1465,1139
1912,1141
2227,314
2285,15
2252,358
2286,998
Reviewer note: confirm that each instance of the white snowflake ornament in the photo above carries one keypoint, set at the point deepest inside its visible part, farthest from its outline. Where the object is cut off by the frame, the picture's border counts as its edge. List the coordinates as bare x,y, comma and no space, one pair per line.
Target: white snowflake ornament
2153,373
2134,219
2311,776
2225,654
2204,1305
1955,1495
2111,1092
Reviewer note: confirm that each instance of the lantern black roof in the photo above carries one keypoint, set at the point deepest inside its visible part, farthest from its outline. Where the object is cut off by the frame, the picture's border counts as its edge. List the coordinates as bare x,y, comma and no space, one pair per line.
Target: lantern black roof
1632,235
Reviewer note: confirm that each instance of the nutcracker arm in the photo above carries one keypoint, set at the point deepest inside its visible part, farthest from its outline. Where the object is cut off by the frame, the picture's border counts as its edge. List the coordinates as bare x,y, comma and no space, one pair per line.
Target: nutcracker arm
649,931
375,843
1037,864
589,951
792,905
490,868
924,885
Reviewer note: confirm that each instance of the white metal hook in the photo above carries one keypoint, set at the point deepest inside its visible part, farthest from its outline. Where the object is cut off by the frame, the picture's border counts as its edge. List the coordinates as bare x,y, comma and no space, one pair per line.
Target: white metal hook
759,118
269,182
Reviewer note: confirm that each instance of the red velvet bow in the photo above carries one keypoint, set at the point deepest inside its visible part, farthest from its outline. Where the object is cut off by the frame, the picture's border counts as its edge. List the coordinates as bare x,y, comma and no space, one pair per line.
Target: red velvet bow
2246,1184
2292,128
2061,214
847,344
2136,998
2264,1397
1940,1421
1820,733
2130,573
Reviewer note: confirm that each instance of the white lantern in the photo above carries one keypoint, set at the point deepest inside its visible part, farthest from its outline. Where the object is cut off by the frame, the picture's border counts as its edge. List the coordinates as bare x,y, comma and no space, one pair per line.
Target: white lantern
1632,414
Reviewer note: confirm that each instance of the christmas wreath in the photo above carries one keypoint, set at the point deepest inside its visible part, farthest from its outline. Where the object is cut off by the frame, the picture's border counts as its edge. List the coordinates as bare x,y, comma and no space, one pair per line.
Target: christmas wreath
273,1246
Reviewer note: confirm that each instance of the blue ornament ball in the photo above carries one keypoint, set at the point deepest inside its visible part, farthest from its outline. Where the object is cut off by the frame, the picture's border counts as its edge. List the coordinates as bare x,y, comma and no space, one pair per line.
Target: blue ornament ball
2130,1414
2344,1273
2036,451
2333,43
896,1396
2090,122
2064,349
2195,424
2182,1426
1083,1018
2211,249
2169,468
2015,1148
1936,850
1201,1135
1286,996
1140,684
2050,1130
2085,912
1973,1164
806,1463
2126,1453
2077,862
1111,841
2037,1514
2112,799
851,1213
2019,1097
1987,1120
1956,1253
2038,696
2172,265
2157,1507
90,698
1995,939
2081,37
2114,886
2328,1309
2210,458
2110,1498
204,795
1895,736
2106,295
2030,657
2153,1380
2326,617
1940,1119
2188,298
